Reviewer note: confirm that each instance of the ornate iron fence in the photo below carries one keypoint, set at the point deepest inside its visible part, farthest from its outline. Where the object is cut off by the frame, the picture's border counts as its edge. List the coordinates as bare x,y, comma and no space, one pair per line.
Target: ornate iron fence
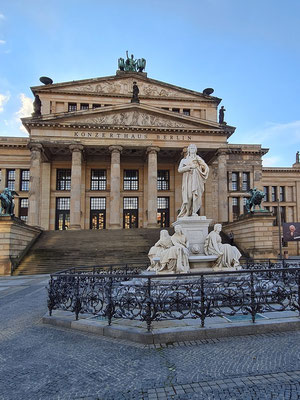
120,291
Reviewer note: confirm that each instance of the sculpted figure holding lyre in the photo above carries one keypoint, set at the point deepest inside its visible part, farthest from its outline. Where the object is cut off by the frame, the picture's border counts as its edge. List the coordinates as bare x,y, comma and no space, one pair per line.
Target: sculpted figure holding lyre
195,173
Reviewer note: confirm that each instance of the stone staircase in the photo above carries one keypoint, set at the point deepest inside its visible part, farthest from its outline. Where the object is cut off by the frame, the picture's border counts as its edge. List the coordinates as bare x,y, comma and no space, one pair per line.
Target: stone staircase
58,250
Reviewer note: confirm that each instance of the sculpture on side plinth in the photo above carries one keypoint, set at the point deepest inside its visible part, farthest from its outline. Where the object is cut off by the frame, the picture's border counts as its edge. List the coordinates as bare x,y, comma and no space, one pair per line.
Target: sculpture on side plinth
7,201
228,256
195,173
176,258
255,200
156,251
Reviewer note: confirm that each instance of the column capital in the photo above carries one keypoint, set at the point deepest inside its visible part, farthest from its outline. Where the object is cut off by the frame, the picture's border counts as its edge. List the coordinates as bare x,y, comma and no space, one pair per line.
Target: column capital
153,150
222,152
76,147
35,146
113,149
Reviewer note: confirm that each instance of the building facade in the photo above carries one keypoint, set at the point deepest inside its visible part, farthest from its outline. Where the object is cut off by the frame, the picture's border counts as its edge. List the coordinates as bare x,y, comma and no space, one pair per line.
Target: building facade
96,160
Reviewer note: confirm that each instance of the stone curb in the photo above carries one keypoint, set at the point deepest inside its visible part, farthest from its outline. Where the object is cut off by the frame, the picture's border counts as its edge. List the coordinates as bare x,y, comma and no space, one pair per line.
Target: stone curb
172,334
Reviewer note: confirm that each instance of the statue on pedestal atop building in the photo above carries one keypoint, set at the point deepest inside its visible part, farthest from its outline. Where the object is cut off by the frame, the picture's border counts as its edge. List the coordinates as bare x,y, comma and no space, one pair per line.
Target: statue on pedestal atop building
7,202
221,115
130,64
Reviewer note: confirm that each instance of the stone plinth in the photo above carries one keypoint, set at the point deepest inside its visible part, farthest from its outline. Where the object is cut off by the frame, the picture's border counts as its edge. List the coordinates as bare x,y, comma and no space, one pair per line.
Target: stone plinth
253,233
195,229
15,236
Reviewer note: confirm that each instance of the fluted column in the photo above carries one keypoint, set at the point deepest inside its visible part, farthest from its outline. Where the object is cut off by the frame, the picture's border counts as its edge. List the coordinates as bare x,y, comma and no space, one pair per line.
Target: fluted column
75,202
152,186
115,169
222,186
34,195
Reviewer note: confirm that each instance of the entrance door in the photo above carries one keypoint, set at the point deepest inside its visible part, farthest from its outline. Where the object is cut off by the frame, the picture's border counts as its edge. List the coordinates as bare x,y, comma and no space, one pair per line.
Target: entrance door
163,218
62,220
130,213
98,213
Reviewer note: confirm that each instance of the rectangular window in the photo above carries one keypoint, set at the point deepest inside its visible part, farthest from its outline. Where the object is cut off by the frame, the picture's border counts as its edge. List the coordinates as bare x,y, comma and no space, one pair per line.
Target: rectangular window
62,219
235,207
98,179
23,209
131,179
130,203
72,107
274,193
107,105
234,181
274,213
165,108
176,110
163,181
24,182
98,203
163,212
281,193
244,204
96,105
63,203
283,214
266,192
186,111
10,179
63,179
246,181
84,106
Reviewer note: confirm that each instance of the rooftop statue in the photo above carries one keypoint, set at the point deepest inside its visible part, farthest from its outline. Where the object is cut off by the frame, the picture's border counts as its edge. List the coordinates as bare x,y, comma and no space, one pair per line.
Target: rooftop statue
135,93
37,104
297,157
7,201
221,115
130,64
195,173
254,200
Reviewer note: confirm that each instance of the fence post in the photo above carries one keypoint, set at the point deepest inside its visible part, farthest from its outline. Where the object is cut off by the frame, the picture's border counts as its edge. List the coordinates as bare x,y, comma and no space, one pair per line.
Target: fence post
148,305
299,293
253,308
77,306
109,300
202,309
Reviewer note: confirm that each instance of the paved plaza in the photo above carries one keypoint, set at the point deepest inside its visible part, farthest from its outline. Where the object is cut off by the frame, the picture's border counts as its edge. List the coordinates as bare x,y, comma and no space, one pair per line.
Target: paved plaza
44,362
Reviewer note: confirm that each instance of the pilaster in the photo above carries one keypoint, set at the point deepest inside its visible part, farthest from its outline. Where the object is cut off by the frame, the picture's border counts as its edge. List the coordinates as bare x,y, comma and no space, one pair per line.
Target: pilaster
36,150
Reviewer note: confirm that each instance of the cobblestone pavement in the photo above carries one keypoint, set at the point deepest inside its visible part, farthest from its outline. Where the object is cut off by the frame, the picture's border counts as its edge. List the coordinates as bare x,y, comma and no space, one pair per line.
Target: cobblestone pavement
43,362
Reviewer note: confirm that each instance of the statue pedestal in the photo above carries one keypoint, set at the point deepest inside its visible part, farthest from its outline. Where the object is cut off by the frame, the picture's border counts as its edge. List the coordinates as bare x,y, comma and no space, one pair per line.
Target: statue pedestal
195,229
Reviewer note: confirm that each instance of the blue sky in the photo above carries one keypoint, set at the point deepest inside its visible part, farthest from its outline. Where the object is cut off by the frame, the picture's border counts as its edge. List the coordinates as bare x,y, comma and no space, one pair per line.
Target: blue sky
248,51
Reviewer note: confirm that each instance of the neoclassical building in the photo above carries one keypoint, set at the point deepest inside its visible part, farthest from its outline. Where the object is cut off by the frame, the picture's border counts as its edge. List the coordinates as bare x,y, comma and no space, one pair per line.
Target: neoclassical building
96,160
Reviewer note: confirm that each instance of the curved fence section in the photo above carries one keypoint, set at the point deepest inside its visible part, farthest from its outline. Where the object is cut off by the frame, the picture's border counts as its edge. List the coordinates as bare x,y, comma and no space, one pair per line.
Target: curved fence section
122,291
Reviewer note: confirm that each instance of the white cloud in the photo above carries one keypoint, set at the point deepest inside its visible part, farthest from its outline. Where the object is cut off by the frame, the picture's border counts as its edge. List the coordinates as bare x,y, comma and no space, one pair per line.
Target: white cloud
288,132
25,110
2,41
3,99
271,161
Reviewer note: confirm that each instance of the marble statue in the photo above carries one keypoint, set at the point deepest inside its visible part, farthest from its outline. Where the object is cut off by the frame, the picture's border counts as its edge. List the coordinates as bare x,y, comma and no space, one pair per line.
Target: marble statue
228,256
176,258
195,173
156,251
7,201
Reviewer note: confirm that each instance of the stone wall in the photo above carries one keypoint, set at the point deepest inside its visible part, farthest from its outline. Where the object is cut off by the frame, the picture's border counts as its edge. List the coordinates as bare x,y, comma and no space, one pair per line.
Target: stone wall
15,236
253,233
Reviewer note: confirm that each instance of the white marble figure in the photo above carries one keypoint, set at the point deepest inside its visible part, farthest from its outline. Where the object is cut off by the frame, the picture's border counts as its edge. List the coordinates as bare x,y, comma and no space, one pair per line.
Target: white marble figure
195,173
157,250
228,256
176,259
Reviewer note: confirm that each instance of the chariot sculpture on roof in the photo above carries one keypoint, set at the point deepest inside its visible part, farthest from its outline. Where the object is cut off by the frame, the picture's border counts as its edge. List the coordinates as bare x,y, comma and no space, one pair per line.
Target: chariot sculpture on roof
131,64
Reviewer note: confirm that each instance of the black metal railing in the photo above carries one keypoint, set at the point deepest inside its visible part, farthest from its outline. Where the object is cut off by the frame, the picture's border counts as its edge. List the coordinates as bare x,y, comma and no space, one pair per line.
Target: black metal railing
121,291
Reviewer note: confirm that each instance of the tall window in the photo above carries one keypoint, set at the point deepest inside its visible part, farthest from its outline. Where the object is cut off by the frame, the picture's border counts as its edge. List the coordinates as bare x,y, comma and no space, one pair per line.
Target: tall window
84,106
98,179
246,181
244,204
72,107
274,193
131,179
163,182
186,111
24,182
235,181
10,179
163,212
283,214
267,194
98,213
235,207
23,209
282,193
63,179
62,213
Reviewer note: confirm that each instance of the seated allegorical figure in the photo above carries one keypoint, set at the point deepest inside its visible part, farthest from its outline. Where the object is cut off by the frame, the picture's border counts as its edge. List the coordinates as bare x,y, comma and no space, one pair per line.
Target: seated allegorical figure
157,250
228,256
176,259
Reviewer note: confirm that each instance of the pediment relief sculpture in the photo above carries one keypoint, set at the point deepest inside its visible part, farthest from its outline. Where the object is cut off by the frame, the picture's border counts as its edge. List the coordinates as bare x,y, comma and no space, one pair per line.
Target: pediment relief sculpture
124,87
133,118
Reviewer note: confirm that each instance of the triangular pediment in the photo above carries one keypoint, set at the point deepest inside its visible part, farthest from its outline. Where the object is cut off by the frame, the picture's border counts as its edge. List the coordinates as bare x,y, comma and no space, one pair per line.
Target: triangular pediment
130,115
122,86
